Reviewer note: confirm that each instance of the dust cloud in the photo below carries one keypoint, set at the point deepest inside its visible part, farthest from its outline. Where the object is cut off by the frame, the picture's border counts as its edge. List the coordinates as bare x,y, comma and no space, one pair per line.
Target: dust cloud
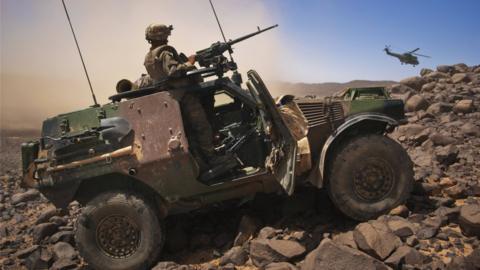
41,73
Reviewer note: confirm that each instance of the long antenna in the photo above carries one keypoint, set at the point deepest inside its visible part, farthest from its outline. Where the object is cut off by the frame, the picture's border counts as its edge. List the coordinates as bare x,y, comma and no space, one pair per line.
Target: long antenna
219,26
80,53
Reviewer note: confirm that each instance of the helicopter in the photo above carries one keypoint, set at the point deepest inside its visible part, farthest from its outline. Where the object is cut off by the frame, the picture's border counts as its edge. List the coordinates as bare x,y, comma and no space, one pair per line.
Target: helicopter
407,57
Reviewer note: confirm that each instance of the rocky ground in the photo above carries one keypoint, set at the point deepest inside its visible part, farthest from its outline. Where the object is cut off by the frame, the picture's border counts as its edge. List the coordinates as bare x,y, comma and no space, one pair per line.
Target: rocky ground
438,228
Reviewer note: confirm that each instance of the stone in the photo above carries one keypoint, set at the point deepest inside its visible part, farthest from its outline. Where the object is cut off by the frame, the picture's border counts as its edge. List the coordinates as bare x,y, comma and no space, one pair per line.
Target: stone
266,251
451,213
26,196
446,155
401,210
416,103
426,233
400,89
439,107
470,129
64,264
411,241
464,106
236,255
439,139
456,192
400,227
460,78
437,75
345,239
445,68
331,256
405,255
22,254
246,229
43,230
170,266
266,233
46,214
280,266
469,220
428,87
376,239
62,250
414,82
63,236
425,71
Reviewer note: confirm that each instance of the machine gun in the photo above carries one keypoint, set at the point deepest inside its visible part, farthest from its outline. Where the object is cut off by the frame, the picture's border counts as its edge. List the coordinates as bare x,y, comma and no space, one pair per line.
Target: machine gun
214,54
215,63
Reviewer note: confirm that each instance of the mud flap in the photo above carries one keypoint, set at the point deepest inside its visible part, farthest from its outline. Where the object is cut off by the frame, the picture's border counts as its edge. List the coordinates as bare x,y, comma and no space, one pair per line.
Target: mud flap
282,159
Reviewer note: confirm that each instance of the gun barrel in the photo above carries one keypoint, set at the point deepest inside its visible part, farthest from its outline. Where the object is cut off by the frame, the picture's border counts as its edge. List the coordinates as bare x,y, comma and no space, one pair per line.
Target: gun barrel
231,42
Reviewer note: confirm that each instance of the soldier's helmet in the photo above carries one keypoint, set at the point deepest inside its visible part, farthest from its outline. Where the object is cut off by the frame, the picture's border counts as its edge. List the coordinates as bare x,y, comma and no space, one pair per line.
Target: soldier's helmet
159,32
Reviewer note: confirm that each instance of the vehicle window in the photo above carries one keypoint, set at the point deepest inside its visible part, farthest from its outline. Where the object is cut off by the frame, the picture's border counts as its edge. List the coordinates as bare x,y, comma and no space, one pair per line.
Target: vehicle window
222,98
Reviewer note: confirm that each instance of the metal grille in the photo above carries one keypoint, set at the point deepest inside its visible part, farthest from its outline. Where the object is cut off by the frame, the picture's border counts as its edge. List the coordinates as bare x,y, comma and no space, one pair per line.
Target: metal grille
318,113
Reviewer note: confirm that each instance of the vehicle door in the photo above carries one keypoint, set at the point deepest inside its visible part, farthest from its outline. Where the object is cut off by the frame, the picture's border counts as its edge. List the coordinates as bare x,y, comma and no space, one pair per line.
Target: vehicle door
284,147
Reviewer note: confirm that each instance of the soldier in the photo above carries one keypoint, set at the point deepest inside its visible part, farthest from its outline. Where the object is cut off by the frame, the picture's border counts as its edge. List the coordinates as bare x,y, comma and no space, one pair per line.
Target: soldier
163,62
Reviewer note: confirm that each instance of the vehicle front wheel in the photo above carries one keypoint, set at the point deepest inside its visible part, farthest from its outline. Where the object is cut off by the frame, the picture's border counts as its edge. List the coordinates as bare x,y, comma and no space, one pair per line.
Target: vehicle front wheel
368,176
119,230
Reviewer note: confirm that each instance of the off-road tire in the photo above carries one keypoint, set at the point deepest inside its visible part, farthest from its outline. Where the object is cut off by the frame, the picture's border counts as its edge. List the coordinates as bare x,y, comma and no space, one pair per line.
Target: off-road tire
367,157
107,216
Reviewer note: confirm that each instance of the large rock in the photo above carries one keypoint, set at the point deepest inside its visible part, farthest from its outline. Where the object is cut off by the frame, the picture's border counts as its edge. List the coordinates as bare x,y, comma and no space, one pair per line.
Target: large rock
425,71
416,103
469,219
331,256
376,239
428,87
236,255
29,195
414,82
405,255
266,251
464,106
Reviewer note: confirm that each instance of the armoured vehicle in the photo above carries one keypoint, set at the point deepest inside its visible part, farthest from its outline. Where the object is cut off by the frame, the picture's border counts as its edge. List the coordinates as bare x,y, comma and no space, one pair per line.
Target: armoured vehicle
131,163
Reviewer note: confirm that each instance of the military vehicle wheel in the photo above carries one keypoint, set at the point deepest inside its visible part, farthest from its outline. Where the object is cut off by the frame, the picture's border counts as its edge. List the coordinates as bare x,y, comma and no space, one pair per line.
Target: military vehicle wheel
119,230
369,175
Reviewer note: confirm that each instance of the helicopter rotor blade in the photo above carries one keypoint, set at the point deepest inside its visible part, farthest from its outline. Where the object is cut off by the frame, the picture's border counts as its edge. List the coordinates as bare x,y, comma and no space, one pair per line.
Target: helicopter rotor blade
414,50
421,55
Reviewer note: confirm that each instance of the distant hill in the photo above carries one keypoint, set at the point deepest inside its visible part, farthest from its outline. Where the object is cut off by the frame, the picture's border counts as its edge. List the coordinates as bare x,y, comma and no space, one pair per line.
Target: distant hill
319,89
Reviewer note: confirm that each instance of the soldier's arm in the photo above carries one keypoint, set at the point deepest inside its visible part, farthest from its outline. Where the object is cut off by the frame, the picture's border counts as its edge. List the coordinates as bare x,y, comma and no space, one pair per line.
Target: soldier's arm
173,67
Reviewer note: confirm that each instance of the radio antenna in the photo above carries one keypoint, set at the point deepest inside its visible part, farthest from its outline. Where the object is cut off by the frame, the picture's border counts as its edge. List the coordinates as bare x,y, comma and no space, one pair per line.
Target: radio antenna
80,53
220,26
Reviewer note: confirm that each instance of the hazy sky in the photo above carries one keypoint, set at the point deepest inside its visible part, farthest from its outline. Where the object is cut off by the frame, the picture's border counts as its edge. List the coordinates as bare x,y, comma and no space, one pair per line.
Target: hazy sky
317,41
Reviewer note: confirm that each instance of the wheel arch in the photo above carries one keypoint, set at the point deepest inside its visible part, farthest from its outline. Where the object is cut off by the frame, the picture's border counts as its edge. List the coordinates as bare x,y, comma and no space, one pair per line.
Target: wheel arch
91,187
363,123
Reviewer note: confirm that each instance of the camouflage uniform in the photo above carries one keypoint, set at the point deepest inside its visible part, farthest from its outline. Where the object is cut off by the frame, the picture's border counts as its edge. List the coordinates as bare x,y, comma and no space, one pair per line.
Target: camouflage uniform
163,62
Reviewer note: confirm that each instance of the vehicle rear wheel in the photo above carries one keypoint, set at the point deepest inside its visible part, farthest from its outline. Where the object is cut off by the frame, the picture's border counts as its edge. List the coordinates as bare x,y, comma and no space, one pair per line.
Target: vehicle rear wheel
119,230
369,175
